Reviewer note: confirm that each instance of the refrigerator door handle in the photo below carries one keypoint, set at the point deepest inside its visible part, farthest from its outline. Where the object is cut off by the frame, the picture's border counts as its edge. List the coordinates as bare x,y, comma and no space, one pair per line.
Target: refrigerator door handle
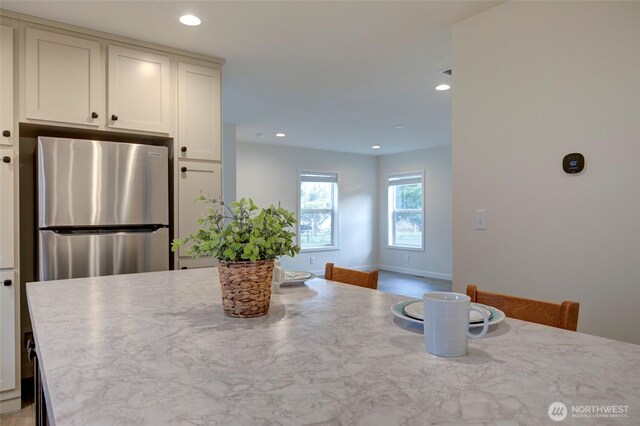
147,229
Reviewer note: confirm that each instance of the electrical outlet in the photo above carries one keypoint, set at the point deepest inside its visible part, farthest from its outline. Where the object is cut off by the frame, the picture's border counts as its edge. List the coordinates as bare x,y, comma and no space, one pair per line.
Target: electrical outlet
407,258
312,260
480,218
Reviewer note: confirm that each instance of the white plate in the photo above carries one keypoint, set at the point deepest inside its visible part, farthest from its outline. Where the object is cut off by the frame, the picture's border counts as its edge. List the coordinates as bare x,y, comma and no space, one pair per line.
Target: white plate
292,277
398,310
414,310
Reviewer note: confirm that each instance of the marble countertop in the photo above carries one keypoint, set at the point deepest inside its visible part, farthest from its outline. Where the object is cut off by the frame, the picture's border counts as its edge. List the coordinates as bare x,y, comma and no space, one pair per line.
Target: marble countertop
156,348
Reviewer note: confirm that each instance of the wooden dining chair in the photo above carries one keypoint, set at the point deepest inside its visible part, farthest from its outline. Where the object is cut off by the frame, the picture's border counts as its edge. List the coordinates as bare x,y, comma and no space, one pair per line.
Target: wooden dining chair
563,315
350,276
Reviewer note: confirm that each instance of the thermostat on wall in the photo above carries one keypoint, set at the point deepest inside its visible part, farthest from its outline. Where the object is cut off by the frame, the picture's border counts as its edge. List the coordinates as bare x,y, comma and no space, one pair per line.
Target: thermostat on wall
573,163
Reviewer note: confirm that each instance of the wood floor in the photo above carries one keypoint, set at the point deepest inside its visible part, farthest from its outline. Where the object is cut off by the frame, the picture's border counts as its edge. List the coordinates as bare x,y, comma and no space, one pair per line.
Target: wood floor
410,285
389,282
24,417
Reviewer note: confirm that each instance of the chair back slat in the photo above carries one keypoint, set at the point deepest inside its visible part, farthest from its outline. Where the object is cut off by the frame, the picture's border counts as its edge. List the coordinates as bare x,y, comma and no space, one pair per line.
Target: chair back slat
350,276
564,315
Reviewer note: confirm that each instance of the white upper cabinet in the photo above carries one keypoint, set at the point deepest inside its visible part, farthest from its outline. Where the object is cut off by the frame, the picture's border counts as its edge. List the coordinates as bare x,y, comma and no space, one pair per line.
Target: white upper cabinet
6,86
64,80
139,91
199,129
65,83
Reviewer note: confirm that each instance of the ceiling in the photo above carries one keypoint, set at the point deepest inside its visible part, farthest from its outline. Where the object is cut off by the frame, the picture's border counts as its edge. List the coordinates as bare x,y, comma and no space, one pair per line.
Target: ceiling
337,76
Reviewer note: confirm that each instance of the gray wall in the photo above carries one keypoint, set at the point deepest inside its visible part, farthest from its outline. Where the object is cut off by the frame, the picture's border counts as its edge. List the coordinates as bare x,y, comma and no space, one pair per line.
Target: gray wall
534,81
435,260
228,162
269,174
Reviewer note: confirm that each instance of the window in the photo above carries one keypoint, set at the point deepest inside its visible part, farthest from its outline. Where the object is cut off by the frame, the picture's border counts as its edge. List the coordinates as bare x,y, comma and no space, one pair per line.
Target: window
406,213
317,227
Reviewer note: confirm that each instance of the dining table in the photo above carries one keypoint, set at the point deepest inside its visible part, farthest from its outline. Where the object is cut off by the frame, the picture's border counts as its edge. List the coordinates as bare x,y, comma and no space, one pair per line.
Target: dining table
157,349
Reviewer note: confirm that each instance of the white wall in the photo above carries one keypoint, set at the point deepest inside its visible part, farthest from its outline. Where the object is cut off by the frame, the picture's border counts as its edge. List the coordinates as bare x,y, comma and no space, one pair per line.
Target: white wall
269,174
228,162
532,82
435,260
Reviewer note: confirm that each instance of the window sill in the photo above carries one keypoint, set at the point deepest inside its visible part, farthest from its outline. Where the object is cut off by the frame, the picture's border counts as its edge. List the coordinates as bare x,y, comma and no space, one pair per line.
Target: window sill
324,248
405,248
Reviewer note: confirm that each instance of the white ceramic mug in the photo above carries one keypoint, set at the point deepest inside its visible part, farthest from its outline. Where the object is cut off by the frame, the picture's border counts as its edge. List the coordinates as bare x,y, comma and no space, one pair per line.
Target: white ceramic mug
278,277
446,323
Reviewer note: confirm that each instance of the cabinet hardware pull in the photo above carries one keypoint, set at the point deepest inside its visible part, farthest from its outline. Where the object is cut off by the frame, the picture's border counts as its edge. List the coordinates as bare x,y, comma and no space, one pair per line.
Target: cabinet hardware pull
183,169
183,149
31,353
114,117
6,159
7,283
94,115
6,133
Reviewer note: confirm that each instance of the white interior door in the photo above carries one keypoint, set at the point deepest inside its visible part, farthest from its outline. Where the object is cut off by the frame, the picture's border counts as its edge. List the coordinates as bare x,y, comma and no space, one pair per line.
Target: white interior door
6,85
197,179
139,90
63,79
199,115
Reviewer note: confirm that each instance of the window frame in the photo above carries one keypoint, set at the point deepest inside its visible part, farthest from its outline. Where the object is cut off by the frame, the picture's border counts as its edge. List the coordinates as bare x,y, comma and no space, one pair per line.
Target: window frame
391,211
334,212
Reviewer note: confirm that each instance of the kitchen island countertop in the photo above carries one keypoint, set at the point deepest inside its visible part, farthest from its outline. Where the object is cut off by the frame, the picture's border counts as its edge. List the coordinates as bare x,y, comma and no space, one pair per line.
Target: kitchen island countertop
156,348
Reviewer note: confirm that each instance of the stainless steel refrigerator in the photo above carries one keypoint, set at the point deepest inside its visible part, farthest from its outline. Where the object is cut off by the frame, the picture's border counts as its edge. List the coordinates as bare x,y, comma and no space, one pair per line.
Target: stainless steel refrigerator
103,208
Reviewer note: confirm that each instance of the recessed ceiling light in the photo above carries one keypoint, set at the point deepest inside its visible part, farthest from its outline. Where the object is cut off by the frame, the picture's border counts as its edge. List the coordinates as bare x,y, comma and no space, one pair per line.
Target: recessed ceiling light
280,135
375,147
443,87
399,126
190,20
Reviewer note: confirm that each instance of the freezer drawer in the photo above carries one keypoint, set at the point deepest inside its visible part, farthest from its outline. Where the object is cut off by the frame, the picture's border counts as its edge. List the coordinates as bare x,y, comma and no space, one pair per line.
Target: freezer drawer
78,255
95,183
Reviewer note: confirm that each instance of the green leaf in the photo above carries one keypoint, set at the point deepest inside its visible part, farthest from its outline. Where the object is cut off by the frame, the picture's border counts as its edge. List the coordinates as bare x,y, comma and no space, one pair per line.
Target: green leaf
241,230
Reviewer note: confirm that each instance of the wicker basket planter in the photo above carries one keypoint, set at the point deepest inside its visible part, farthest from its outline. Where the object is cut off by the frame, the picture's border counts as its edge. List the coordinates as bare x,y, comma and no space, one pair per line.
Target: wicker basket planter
246,287
241,236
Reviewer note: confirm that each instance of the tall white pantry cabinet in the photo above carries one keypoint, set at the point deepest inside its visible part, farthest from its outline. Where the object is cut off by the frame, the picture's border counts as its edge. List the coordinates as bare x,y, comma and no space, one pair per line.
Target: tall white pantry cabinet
199,123
55,75
9,319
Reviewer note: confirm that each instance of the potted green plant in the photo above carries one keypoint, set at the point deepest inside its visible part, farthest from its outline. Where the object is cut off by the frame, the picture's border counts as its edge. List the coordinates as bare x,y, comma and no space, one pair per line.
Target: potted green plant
246,240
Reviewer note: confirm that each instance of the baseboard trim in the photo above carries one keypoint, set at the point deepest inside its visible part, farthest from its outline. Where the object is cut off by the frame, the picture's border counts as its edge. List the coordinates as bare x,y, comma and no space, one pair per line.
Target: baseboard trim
11,405
417,272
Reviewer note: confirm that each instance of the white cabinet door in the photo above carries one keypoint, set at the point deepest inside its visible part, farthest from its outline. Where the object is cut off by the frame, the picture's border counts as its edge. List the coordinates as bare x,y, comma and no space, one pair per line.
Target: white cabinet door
196,178
6,85
139,91
64,81
7,331
199,115
6,212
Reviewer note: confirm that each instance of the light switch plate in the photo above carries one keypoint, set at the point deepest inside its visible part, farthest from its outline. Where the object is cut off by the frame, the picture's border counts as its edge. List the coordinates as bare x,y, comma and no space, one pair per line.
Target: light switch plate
480,220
